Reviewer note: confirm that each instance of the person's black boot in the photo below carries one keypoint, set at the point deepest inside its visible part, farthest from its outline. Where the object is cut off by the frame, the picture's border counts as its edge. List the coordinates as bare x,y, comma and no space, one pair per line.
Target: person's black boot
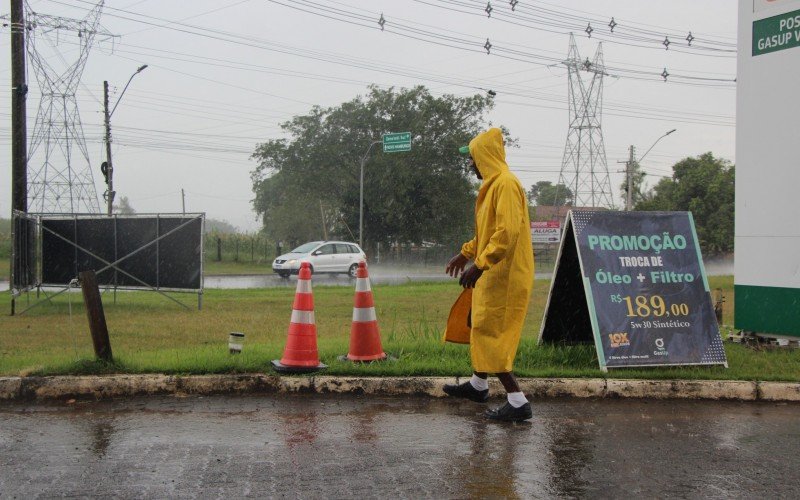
508,413
466,391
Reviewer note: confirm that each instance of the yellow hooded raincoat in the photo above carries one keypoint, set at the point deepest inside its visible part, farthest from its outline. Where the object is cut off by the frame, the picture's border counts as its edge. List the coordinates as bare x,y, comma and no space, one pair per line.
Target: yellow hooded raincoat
502,248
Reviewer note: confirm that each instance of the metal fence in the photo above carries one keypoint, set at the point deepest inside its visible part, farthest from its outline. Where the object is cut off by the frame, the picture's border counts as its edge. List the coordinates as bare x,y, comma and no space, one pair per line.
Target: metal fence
258,249
409,255
245,248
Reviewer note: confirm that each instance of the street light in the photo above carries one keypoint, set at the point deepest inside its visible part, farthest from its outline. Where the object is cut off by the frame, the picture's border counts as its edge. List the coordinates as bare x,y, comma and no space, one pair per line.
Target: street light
361,197
138,70
629,170
108,168
654,144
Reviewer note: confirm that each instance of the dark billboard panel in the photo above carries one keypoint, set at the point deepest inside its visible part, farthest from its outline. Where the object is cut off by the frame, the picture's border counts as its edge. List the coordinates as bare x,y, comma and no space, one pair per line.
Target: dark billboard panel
59,254
136,241
24,252
159,251
179,252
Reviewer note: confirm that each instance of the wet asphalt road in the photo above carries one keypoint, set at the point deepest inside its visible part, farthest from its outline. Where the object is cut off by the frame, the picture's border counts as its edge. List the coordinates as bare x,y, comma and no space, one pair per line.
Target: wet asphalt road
376,278
275,281
313,446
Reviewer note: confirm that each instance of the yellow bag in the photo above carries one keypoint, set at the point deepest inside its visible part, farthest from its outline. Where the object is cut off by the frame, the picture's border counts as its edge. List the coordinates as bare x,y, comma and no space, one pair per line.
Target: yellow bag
459,323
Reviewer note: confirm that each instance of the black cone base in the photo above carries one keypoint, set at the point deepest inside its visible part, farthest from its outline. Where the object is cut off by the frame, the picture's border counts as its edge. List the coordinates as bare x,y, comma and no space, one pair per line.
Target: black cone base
281,368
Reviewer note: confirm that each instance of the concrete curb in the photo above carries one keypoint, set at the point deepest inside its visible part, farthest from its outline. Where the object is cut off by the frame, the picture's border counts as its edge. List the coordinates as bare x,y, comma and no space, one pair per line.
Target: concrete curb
111,386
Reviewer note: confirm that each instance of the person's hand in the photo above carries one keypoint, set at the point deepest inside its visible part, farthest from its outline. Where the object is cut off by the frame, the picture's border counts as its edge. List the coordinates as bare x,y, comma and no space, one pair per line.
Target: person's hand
456,265
470,276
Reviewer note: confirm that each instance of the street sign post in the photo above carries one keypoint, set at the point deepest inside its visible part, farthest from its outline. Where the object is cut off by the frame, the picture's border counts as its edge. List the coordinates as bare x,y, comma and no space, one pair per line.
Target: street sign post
392,143
397,142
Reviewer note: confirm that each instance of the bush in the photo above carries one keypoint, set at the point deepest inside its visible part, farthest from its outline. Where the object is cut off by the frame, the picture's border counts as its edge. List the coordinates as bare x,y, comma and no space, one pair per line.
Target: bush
5,238
236,247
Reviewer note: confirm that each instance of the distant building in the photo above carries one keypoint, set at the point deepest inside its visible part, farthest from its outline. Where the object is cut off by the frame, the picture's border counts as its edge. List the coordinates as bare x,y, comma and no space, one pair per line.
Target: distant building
553,212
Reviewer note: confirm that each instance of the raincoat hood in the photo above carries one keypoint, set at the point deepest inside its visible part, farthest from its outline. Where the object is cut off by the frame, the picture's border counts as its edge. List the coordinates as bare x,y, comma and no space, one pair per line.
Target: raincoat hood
489,153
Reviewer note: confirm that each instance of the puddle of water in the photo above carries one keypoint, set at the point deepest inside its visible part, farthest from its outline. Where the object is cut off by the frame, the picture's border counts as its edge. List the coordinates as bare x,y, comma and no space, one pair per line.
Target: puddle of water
379,275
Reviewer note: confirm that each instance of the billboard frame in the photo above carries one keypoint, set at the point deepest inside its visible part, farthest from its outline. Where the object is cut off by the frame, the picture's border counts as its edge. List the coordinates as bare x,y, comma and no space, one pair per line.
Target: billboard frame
39,284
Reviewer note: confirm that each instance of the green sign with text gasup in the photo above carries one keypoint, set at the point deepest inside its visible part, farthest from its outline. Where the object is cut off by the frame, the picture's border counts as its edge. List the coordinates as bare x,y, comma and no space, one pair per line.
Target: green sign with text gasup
776,33
394,143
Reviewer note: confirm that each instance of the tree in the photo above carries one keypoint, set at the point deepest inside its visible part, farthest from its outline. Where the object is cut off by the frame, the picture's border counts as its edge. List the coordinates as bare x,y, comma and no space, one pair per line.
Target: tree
5,238
703,185
220,226
544,193
124,207
637,186
426,194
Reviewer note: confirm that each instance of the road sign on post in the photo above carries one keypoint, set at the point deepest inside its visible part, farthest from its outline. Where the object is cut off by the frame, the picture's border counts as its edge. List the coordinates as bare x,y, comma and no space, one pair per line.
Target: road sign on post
394,143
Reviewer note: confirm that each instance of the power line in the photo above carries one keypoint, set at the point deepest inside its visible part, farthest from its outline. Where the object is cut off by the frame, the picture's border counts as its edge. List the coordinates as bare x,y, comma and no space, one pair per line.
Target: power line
472,45
562,22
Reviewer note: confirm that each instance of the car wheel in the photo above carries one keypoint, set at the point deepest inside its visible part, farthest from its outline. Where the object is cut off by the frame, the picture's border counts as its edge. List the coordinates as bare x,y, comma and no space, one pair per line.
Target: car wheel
283,275
353,271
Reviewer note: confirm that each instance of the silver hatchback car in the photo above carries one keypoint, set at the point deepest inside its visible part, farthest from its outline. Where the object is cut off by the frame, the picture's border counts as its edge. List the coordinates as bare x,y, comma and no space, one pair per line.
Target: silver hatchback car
324,256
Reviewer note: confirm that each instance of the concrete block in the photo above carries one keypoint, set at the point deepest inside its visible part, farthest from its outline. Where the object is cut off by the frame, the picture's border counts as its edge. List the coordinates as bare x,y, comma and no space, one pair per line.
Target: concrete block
10,388
295,384
408,386
630,388
98,387
224,383
778,391
564,387
681,389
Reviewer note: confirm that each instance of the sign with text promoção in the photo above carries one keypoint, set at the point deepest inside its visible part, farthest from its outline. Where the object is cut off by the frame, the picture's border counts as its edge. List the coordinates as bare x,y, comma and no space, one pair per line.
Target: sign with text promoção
634,284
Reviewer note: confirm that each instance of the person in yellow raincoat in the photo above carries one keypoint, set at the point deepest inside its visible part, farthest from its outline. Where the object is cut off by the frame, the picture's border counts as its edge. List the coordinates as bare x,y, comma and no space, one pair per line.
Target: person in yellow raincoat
501,275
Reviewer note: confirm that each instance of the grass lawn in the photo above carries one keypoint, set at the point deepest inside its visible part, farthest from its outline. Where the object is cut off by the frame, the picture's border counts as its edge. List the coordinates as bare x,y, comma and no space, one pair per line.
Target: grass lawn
213,267
152,334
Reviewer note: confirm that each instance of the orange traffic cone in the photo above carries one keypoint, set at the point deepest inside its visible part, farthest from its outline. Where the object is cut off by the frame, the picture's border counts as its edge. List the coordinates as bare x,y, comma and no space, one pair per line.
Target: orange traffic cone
300,354
365,338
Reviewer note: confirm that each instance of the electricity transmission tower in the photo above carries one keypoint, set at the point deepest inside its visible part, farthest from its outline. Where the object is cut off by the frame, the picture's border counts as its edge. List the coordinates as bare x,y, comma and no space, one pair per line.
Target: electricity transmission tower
583,169
59,171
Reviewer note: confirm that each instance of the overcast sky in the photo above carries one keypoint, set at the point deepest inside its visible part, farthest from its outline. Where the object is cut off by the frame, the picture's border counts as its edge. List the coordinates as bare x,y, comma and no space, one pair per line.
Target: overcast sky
224,74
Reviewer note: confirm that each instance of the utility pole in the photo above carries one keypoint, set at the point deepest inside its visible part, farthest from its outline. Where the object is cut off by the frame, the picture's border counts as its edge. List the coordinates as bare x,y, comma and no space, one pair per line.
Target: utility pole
109,173
629,176
19,137
630,165
322,217
19,90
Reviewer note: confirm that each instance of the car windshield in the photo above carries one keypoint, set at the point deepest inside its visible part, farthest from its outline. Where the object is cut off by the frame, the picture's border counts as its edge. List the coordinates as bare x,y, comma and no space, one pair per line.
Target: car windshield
306,247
